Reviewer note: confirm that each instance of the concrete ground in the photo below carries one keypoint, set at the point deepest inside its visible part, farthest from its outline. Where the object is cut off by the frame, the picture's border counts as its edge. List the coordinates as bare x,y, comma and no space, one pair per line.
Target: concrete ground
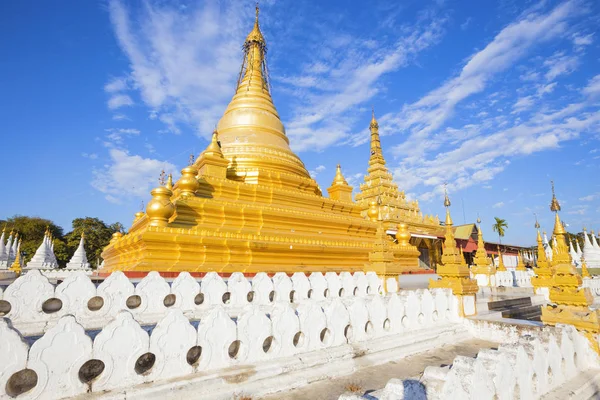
373,378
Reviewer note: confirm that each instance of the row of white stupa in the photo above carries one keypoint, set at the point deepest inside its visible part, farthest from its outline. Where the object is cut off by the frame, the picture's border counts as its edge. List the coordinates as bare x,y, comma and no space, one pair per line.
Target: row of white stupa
590,253
44,257
8,250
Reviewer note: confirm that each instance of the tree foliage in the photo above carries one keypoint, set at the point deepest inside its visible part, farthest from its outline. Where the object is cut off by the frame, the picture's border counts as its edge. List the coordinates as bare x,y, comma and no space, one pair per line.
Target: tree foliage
32,229
500,227
97,235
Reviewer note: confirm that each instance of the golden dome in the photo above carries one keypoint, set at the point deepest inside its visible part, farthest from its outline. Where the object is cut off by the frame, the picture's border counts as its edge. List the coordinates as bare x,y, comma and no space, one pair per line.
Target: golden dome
188,184
160,208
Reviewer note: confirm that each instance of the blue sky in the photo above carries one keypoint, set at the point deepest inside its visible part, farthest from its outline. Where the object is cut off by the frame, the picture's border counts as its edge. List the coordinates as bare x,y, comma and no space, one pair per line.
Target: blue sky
98,96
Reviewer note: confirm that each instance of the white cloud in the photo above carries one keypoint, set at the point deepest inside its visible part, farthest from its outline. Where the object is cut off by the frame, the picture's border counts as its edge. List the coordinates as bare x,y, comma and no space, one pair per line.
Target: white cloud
115,85
590,197
560,64
546,89
500,204
119,100
91,156
511,44
593,86
522,104
116,135
530,76
348,77
119,117
583,40
128,175
466,24
184,60
317,171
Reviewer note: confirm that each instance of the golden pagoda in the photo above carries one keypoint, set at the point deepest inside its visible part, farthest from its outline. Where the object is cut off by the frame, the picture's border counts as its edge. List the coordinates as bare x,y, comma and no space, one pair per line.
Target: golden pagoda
247,203
454,272
542,280
571,300
379,186
482,264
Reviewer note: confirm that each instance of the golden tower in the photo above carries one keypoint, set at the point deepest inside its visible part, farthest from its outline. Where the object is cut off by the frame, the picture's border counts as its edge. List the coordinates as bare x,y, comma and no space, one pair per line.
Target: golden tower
379,186
542,280
248,204
454,272
482,263
571,301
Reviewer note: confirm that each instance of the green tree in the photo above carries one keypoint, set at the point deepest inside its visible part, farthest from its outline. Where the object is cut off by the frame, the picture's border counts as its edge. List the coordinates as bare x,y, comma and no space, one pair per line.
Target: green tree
31,231
97,235
500,227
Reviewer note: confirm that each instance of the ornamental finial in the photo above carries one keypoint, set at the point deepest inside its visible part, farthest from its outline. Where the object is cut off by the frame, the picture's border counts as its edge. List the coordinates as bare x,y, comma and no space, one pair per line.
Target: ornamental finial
537,224
170,182
554,204
257,11
191,159
162,178
446,198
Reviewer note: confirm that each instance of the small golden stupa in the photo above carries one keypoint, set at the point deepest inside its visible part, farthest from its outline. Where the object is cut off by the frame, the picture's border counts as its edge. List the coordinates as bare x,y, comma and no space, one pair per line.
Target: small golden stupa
247,203
571,301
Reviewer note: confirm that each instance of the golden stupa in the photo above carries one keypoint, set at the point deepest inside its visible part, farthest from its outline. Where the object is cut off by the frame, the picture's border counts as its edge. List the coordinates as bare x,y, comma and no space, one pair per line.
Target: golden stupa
249,204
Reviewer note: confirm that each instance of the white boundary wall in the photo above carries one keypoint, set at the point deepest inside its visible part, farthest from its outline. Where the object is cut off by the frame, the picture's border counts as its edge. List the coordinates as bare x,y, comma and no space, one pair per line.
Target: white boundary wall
170,334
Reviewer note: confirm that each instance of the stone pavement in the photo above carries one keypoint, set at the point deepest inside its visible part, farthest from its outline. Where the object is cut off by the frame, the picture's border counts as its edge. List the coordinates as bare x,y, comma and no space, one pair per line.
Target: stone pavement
368,379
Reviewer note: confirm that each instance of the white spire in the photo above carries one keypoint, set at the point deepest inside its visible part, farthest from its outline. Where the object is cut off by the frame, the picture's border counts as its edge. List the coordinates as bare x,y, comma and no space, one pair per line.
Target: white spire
547,248
594,242
579,252
591,254
573,254
79,259
43,258
9,249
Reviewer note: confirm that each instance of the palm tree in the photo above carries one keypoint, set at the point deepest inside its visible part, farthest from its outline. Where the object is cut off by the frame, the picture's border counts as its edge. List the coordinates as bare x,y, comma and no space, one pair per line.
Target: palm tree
500,226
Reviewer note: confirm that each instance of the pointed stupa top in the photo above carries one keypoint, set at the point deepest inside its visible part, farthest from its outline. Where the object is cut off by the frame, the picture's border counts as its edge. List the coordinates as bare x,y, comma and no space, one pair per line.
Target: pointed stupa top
214,148
554,205
44,257
3,255
339,178
376,158
547,248
79,259
447,205
594,241
578,249
255,34
252,135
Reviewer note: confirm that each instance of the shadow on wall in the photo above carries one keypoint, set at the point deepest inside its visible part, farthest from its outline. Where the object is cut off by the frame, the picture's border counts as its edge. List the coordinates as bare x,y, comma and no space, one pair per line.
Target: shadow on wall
407,389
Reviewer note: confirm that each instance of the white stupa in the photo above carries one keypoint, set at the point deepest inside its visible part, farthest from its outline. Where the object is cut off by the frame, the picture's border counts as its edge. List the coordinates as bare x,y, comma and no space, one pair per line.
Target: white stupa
579,252
79,259
44,257
591,253
573,254
3,255
547,248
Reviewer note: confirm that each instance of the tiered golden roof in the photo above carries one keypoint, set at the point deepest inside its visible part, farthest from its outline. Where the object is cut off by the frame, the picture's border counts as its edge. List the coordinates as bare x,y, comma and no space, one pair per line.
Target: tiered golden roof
379,186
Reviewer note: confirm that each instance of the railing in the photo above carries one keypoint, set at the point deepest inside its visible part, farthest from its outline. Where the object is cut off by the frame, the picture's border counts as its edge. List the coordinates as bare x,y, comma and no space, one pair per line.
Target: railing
33,304
68,360
525,369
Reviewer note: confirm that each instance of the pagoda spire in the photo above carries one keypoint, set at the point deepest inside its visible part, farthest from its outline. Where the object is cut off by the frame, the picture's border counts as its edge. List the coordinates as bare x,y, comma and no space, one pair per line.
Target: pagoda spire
482,263
253,139
339,189
376,158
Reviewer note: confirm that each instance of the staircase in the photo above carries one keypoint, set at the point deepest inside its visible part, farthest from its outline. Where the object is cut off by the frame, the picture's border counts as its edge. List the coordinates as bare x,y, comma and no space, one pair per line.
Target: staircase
517,308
